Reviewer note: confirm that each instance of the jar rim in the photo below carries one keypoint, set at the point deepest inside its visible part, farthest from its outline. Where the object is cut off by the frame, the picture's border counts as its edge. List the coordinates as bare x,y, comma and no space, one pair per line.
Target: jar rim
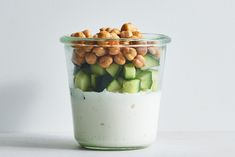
153,39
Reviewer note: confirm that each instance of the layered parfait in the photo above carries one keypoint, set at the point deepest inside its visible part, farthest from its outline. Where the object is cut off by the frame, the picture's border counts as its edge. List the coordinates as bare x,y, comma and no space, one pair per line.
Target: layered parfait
114,78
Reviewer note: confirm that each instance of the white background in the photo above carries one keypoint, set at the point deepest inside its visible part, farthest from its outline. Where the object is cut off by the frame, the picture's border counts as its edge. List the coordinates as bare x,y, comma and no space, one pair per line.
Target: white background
199,76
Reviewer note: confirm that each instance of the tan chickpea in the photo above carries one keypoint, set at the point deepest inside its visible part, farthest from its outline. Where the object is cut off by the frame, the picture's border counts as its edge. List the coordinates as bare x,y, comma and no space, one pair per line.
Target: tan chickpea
119,59
99,51
114,35
95,36
87,33
87,48
126,34
139,61
142,50
128,27
80,52
105,61
129,53
108,29
78,34
78,59
103,28
155,51
104,34
90,58
137,34
116,31
114,50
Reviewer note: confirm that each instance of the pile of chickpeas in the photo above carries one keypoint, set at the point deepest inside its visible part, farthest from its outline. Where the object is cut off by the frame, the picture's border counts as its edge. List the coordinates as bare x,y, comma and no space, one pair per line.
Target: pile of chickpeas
105,52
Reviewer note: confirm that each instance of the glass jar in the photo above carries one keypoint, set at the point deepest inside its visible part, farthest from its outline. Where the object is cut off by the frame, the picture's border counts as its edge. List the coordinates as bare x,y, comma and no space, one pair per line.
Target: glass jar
115,87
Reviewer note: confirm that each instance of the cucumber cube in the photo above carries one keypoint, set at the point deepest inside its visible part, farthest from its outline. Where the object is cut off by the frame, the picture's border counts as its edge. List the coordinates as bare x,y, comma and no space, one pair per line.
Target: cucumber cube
97,69
131,86
102,82
114,86
129,71
82,81
113,69
150,61
93,81
145,78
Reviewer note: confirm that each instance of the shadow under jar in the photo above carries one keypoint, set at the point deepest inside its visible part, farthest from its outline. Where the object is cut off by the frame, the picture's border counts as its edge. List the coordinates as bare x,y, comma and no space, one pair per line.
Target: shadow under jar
115,87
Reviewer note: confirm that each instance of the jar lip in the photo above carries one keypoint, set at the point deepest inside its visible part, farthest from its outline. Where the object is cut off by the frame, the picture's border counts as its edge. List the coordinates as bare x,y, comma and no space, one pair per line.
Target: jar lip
156,39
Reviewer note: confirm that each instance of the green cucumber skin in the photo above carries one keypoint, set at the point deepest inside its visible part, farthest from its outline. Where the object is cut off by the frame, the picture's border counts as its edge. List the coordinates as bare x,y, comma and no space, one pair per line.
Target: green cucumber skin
155,76
129,71
150,61
98,70
82,81
114,86
102,82
93,81
114,69
145,78
131,86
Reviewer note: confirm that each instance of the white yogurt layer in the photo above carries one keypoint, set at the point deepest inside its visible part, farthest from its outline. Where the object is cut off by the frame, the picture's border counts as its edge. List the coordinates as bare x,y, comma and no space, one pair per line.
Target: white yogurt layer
115,119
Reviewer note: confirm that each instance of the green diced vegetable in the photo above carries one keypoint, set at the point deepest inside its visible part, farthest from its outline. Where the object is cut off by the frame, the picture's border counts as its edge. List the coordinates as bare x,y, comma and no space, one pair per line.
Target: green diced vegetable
150,61
93,81
82,81
145,78
129,71
113,69
97,69
102,82
131,86
114,86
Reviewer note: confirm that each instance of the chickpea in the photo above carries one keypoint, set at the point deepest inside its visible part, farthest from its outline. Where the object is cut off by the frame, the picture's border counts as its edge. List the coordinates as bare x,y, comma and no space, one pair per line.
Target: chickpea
78,34
155,51
129,53
114,35
80,52
114,50
137,34
126,34
105,61
128,27
116,31
119,59
87,48
103,28
87,33
90,58
142,50
78,59
124,42
139,61
95,36
104,34
108,29
99,51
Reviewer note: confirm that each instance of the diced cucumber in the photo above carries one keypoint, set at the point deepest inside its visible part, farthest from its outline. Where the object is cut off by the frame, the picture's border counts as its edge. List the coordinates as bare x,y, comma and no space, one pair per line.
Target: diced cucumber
131,86
82,81
150,61
93,81
155,80
114,86
102,82
86,68
113,69
97,69
120,80
145,78
129,71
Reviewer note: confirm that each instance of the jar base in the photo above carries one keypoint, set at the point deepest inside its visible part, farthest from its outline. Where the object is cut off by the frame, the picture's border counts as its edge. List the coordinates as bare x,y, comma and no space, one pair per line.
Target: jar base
101,148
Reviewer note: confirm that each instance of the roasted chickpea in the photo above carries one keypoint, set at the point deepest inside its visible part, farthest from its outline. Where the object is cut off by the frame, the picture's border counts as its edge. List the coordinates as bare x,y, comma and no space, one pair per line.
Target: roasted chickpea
141,50
128,27
105,61
90,58
78,34
87,33
99,51
114,50
129,53
78,60
139,61
126,34
155,51
104,34
116,31
137,34
119,59
80,52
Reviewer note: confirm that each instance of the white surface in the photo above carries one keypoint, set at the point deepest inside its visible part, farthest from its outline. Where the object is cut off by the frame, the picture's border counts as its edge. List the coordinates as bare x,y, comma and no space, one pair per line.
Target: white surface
169,144
199,76
131,123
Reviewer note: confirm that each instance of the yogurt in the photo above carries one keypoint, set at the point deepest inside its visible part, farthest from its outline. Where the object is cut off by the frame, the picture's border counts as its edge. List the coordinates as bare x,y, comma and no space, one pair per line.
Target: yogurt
115,120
